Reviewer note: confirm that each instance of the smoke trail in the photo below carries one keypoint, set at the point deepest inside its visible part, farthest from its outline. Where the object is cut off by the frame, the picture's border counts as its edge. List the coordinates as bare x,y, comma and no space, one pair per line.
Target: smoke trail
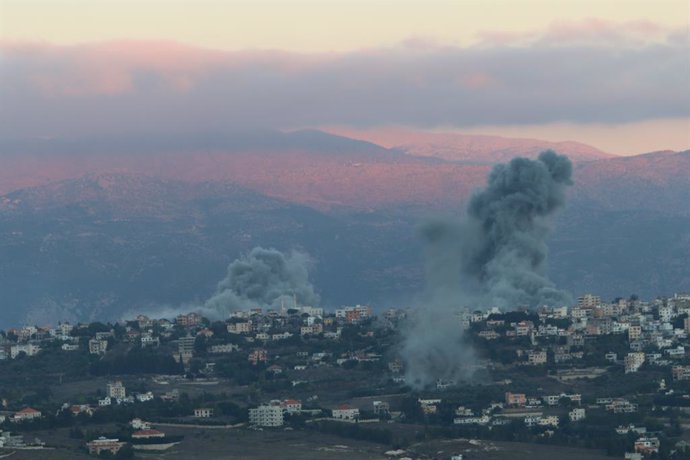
263,278
495,256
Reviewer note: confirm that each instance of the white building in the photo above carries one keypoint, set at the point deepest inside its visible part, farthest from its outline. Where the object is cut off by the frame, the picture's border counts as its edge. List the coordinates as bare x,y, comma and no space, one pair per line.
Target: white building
29,348
144,397
291,406
268,415
98,346
576,414
633,361
240,328
551,420
225,348
203,412
116,390
345,412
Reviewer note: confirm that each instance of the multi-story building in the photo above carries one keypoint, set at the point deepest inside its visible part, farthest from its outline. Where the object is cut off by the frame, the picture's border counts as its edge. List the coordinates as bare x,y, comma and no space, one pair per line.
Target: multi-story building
242,327
268,415
98,346
536,358
588,301
116,390
634,333
576,414
258,355
681,372
354,314
633,361
191,319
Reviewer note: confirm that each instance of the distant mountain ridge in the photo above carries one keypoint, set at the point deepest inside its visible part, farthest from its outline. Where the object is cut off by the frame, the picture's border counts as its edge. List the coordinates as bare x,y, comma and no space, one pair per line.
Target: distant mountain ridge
472,148
93,235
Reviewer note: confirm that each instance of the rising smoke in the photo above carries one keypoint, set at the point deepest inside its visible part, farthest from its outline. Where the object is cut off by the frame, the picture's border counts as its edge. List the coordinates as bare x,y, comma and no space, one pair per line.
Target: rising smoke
494,257
263,278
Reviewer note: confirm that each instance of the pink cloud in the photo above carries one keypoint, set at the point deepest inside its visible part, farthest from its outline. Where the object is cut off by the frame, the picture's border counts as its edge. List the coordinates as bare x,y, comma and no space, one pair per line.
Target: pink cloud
110,68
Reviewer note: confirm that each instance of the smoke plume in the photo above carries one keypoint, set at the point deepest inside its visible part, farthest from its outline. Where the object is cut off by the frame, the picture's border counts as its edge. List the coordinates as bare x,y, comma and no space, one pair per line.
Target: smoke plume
494,257
263,278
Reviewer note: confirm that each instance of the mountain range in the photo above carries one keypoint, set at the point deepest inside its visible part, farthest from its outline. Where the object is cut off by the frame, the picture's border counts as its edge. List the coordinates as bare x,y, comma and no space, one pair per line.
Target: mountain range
97,228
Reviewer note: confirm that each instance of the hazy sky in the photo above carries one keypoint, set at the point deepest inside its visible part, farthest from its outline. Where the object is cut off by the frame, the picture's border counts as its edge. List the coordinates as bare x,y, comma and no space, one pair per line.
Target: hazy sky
612,73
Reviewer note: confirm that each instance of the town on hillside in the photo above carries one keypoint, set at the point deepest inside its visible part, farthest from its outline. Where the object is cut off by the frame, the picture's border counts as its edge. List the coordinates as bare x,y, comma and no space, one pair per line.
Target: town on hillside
608,377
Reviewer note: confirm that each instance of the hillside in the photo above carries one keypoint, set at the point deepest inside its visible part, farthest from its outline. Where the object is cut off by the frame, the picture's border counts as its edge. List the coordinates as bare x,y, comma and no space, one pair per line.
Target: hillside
97,234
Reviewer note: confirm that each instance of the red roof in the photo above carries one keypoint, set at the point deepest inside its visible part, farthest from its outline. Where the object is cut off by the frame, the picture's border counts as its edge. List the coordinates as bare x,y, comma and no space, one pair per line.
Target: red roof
292,401
148,434
344,407
28,410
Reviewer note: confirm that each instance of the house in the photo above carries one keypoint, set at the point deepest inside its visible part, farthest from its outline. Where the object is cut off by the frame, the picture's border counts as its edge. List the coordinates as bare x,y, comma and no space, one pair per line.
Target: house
516,399
536,358
554,400
291,406
345,412
28,348
680,372
148,340
353,315
144,397
523,328
429,406
258,355
275,369
576,414
647,445
381,407
77,409
633,456
205,332
314,329
631,429
621,406
105,402
225,348
550,420
267,415
139,424
25,414
103,444
203,412
483,420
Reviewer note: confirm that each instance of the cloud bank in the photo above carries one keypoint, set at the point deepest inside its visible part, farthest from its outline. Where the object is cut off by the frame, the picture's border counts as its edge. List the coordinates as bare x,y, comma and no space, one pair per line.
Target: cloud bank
572,72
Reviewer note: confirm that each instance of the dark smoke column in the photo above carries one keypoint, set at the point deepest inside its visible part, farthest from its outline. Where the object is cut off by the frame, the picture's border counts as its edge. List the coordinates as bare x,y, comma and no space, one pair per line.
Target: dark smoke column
494,257
263,278
508,228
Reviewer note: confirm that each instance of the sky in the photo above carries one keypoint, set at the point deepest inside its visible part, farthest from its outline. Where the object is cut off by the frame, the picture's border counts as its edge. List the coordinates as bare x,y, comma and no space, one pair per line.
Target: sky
612,73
